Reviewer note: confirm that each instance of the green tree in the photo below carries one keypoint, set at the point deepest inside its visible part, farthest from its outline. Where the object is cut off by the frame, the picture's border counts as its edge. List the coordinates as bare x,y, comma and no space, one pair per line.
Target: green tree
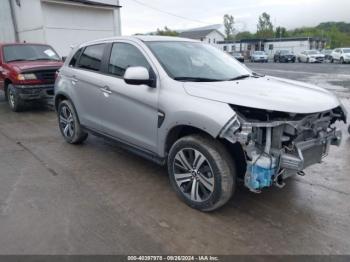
264,26
229,23
244,35
166,32
280,32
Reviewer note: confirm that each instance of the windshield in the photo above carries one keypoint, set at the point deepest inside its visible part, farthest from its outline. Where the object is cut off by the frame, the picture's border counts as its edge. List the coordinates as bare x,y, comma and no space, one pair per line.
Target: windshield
313,52
193,61
29,53
286,52
346,50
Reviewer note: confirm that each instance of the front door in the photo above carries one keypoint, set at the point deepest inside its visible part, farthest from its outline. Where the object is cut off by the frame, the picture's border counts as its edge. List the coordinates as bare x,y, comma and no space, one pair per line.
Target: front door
130,112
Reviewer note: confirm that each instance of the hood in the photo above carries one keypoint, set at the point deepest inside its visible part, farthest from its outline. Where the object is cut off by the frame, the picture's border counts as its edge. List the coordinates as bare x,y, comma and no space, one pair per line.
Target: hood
269,93
22,66
318,55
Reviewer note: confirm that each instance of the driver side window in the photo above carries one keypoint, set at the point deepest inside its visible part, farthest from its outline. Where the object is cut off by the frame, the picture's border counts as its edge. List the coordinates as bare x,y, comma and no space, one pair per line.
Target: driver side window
125,55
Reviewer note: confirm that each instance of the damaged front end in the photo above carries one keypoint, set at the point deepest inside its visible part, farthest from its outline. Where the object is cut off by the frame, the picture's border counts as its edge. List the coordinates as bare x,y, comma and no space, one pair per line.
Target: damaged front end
278,145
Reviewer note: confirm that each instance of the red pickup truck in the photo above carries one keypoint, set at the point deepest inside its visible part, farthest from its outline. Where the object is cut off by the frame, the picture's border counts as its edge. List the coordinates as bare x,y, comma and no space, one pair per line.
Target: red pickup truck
27,72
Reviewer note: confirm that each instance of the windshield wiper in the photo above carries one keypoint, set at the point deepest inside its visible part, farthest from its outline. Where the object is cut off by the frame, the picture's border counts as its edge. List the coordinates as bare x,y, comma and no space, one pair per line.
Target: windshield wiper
39,59
239,77
16,60
257,75
196,79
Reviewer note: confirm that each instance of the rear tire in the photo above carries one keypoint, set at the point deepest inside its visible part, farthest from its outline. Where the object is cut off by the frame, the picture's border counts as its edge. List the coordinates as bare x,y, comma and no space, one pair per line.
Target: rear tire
69,124
202,172
15,102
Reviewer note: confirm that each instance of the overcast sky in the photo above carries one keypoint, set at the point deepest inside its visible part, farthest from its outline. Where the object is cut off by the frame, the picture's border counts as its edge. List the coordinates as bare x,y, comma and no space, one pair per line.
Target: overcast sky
139,17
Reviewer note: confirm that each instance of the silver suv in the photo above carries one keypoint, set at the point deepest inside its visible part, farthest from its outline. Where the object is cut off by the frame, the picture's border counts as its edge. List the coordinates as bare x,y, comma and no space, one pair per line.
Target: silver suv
189,106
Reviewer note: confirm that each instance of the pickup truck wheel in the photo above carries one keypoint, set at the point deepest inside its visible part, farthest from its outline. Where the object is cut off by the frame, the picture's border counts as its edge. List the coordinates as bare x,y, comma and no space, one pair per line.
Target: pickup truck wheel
69,123
13,99
202,172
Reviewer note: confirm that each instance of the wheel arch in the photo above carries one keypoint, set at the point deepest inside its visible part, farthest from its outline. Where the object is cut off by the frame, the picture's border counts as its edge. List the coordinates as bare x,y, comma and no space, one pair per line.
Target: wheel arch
180,131
236,150
7,82
60,97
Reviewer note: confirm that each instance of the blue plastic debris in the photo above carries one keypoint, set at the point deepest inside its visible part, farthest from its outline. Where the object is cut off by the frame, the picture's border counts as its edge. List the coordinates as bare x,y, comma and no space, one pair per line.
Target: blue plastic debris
260,171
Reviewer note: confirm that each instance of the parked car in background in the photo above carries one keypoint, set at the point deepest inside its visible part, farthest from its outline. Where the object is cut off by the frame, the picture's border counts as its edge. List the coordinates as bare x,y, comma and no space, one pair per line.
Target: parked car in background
327,54
311,56
238,56
284,56
27,72
196,109
341,55
259,56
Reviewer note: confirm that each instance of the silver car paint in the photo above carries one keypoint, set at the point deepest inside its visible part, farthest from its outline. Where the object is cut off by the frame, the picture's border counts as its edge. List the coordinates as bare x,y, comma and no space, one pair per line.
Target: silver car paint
268,93
201,105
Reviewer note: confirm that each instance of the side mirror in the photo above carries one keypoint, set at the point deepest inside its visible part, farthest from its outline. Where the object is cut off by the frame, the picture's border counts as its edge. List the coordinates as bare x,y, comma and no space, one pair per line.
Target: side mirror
64,58
138,75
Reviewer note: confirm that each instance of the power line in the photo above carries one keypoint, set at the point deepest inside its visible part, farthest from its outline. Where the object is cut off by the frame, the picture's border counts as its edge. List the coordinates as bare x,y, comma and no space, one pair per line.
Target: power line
168,13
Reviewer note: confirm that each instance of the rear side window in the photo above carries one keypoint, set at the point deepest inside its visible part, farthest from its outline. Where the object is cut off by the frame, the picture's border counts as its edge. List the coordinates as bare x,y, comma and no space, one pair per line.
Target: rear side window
125,55
75,58
91,57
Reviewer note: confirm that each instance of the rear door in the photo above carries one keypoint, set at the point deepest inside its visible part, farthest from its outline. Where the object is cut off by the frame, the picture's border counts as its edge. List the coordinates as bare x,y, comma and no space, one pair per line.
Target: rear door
86,82
129,112
336,54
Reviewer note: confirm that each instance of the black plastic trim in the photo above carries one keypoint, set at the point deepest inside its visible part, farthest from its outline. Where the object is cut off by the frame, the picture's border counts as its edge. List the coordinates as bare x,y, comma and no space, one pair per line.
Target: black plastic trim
132,148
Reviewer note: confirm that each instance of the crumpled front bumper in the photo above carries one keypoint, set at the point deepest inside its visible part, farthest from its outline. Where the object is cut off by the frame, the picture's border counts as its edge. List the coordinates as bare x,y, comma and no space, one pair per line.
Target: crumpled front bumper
35,92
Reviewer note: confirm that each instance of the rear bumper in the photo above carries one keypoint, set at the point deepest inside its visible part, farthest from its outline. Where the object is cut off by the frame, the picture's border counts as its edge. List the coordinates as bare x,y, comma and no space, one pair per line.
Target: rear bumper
35,92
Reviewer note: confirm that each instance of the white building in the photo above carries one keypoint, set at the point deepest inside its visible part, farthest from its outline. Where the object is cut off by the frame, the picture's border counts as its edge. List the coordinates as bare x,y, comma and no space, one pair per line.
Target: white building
59,23
271,45
209,36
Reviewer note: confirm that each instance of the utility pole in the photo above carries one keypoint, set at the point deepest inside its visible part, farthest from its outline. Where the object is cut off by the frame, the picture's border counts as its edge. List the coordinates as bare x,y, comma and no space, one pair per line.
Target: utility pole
14,21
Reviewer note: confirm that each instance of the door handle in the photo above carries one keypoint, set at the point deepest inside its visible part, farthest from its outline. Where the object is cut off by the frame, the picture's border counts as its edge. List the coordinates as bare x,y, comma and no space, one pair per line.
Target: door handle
106,90
74,80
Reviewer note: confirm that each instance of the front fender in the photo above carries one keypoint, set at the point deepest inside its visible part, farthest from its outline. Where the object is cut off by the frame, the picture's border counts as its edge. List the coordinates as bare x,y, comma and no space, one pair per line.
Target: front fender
207,115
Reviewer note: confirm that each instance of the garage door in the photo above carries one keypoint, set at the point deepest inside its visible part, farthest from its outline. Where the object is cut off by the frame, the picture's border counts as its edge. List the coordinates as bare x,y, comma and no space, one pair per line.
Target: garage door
67,24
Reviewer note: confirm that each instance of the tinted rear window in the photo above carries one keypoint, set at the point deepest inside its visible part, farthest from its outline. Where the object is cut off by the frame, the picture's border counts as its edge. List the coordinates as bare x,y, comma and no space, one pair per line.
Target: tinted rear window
75,58
92,57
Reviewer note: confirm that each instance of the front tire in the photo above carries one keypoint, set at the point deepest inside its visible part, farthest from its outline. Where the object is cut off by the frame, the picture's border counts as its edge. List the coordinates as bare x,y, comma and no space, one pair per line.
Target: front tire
202,172
15,102
69,124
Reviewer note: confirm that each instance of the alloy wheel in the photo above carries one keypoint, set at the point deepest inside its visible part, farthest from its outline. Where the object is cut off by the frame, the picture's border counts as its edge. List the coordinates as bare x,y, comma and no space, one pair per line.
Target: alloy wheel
193,174
67,122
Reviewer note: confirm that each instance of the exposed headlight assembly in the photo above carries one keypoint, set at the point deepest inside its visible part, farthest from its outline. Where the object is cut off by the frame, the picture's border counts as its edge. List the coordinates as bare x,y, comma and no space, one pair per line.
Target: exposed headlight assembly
235,131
